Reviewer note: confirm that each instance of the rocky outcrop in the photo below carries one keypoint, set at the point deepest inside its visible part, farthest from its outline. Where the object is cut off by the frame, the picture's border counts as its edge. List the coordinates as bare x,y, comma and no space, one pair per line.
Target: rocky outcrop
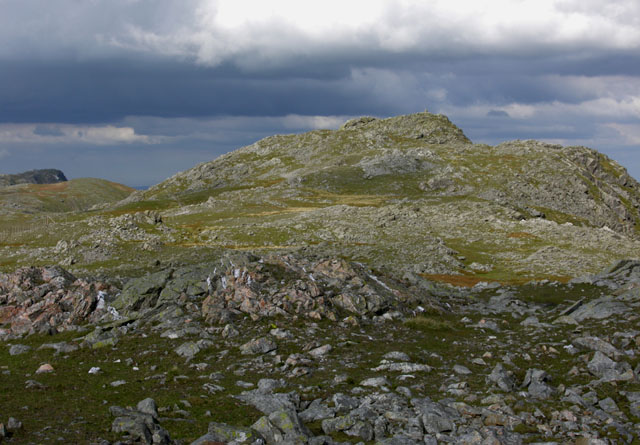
50,299
45,176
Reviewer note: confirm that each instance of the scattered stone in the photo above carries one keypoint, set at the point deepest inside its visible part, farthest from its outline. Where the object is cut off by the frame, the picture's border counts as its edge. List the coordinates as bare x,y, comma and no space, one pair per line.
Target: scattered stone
43,369
462,370
260,345
536,382
397,355
19,349
501,378
320,351
596,344
222,433
13,425
140,424
375,382
405,368
608,370
230,331
188,350
60,348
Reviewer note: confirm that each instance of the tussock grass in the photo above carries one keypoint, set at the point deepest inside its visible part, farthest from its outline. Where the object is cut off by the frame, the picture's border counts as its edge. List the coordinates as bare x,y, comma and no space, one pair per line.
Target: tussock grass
427,323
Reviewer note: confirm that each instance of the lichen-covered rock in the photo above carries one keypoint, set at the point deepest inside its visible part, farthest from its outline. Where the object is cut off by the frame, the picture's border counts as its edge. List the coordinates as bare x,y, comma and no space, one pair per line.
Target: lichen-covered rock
140,424
222,433
142,293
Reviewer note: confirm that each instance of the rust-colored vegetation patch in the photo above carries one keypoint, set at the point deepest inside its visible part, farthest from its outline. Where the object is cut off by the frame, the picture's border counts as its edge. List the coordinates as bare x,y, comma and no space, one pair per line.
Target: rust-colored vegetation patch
57,187
456,280
520,235
472,280
283,211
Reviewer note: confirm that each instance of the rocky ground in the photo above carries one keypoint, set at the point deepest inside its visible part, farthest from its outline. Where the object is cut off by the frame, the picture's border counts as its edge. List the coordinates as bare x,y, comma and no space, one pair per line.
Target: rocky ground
290,349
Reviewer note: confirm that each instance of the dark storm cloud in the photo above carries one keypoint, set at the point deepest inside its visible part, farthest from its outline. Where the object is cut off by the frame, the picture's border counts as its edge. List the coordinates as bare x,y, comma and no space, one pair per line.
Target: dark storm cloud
116,83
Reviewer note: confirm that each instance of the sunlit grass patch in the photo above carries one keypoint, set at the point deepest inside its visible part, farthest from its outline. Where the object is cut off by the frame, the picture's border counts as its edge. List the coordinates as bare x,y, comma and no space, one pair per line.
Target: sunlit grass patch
429,323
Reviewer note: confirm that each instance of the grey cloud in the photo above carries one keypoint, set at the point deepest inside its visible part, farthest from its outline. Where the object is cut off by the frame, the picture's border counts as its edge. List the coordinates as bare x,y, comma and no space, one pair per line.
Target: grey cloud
47,130
497,113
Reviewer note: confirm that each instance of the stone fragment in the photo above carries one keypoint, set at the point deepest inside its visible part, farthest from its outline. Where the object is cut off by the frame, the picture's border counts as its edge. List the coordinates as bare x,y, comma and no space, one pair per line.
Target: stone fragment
61,347
435,417
46,368
19,349
338,424
260,345
187,350
317,411
292,428
608,370
596,344
462,370
344,403
141,426
13,425
405,368
375,382
536,382
501,378
222,433
320,351
148,406
397,355
229,331
268,403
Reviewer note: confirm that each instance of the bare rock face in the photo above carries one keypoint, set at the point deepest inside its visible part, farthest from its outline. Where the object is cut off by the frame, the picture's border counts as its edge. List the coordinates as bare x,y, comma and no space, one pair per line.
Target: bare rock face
289,286
48,299
46,176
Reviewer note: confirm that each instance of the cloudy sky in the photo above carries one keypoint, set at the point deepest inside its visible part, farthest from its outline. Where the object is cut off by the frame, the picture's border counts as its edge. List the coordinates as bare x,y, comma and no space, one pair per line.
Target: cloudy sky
136,90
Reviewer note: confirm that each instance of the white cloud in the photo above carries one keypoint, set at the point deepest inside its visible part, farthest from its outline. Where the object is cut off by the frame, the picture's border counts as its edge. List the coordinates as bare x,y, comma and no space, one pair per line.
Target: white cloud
252,33
629,132
295,121
65,133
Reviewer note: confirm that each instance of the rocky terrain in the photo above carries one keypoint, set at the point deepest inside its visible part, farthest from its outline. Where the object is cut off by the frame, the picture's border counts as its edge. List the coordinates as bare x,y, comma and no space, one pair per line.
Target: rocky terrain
388,282
45,176
280,349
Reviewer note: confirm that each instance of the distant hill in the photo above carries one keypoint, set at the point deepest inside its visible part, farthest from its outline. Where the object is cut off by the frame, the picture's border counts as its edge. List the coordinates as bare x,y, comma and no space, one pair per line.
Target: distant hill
74,195
44,176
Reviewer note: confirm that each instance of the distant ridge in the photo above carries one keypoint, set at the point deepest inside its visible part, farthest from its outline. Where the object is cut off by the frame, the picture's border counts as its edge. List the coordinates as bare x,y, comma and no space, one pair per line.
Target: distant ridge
43,176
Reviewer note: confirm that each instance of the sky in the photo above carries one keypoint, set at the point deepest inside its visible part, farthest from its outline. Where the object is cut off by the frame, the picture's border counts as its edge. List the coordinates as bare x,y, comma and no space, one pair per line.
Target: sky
136,90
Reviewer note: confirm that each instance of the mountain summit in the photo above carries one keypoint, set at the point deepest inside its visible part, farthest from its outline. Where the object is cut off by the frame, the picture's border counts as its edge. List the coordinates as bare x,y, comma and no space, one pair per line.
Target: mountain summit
414,194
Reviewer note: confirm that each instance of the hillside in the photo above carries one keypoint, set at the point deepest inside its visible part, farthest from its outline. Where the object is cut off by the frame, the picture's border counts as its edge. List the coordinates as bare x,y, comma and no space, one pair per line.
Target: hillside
68,196
410,194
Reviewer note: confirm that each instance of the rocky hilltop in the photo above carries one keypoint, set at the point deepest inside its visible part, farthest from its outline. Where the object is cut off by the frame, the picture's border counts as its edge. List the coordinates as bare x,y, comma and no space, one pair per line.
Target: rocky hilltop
389,282
411,194
44,176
